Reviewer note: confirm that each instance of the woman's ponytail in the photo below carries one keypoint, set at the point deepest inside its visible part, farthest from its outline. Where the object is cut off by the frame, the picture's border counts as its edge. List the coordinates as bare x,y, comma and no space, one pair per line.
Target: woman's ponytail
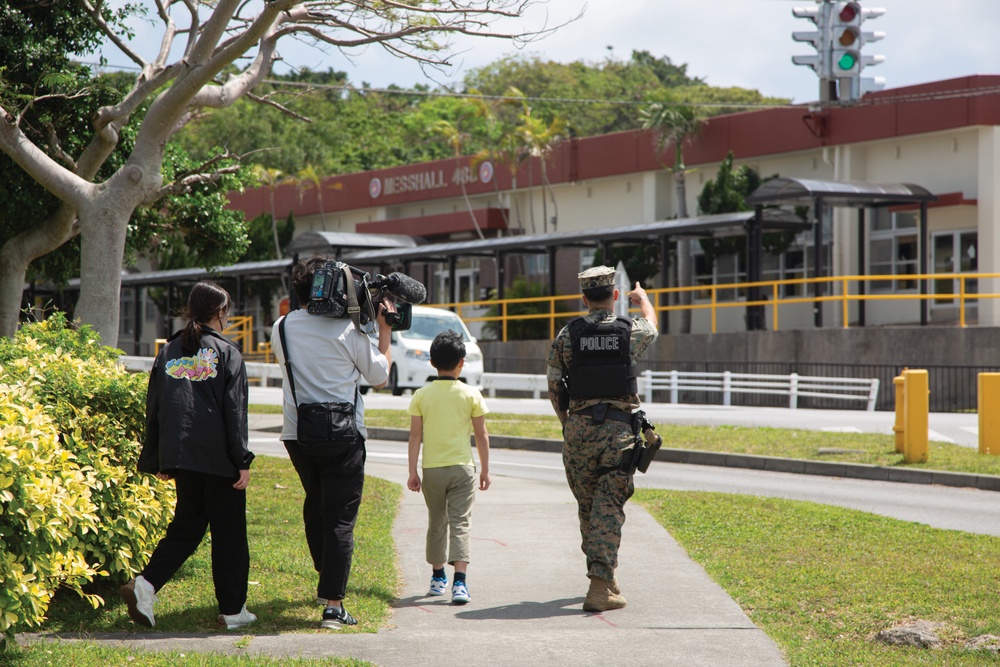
204,303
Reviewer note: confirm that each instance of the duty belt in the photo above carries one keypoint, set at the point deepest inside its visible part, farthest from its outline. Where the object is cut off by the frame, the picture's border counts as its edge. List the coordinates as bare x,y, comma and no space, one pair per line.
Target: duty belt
602,411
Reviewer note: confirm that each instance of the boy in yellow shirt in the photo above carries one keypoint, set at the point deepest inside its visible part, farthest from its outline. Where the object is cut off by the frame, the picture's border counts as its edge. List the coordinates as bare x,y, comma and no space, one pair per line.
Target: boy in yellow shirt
442,415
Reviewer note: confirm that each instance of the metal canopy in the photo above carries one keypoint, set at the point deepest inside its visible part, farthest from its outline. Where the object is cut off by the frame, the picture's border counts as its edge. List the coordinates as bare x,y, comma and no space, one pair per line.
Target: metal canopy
336,243
801,191
700,226
273,267
819,195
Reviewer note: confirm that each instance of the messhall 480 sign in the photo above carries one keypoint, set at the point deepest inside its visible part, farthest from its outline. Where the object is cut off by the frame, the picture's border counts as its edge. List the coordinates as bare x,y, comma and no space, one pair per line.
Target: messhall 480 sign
422,181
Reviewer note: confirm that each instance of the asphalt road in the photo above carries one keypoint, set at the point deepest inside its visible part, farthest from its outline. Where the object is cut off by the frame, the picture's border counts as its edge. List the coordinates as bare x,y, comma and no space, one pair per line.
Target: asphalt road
968,510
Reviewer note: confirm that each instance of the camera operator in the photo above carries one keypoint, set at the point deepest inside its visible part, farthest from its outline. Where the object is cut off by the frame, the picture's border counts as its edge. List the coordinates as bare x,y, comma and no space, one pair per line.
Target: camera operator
329,356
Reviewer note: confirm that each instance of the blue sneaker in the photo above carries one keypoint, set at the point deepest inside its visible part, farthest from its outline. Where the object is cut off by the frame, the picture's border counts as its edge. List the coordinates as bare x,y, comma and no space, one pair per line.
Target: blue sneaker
438,585
460,593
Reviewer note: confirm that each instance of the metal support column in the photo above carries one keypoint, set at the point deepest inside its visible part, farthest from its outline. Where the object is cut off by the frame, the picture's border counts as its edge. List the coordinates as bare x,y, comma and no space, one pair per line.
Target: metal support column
862,269
818,262
452,287
924,252
664,299
552,270
755,313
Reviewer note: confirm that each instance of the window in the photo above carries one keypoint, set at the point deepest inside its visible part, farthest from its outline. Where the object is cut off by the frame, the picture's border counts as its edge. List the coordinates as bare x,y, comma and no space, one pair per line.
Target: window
149,306
537,265
726,269
465,283
789,265
894,250
946,260
128,315
795,263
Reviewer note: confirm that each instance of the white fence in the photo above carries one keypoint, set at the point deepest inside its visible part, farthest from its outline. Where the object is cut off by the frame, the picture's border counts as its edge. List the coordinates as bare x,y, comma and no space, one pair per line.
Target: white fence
255,369
727,383
536,384
794,386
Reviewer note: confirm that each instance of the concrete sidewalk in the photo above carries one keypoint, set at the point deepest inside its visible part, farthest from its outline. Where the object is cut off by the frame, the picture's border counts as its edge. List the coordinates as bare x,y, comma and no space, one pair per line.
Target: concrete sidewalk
527,580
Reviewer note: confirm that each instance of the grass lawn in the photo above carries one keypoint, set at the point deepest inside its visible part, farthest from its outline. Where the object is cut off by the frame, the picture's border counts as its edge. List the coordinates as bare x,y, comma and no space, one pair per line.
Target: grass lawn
870,448
282,582
821,581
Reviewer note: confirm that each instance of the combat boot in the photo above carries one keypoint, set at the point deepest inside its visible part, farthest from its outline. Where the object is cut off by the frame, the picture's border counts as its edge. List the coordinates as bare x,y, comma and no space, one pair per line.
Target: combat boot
600,597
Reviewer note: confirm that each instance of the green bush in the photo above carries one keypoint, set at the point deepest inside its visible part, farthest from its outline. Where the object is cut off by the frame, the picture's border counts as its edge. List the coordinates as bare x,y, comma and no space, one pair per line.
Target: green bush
519,328
72,505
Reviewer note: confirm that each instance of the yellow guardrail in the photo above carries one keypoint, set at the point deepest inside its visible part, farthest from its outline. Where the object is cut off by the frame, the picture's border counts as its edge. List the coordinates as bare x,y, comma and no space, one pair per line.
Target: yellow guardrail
845,288
239,329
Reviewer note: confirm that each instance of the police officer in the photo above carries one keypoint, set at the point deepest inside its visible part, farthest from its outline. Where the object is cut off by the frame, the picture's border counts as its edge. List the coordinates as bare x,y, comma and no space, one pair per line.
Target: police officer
592,386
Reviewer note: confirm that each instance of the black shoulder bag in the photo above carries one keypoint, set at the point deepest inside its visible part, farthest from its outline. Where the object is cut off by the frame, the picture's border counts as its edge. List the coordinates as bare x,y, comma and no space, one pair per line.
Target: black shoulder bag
330,425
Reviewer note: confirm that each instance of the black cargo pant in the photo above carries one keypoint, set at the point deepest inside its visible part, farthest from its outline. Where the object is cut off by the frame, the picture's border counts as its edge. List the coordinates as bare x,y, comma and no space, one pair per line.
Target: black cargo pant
206,502
333,480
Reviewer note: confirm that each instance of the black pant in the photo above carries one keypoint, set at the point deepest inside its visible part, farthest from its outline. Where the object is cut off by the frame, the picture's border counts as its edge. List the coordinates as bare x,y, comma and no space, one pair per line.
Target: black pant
207,501
333,481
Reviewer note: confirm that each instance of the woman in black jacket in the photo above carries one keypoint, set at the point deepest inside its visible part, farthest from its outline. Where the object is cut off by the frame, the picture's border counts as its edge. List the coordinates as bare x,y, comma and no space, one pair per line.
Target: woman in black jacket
196,434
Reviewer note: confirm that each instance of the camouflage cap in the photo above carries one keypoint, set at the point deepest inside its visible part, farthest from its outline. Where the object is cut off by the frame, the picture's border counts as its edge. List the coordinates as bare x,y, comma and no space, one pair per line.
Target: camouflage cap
599,276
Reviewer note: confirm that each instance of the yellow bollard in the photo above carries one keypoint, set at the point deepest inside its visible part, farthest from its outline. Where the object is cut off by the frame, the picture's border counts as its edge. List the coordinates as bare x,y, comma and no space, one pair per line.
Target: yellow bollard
989,419
898,427
917,406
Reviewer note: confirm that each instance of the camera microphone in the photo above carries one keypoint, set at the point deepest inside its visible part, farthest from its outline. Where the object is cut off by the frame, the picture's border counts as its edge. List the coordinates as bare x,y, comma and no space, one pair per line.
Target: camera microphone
402,287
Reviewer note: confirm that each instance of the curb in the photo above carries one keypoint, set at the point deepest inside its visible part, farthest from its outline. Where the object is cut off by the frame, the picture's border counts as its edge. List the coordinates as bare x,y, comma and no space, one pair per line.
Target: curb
753,462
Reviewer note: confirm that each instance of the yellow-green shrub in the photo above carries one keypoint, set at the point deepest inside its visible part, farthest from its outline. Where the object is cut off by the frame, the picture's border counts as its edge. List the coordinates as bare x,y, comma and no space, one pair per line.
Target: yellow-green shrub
72,506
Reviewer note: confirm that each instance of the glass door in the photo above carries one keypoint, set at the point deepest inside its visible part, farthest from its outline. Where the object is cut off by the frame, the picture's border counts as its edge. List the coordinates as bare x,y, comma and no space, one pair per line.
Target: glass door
954,252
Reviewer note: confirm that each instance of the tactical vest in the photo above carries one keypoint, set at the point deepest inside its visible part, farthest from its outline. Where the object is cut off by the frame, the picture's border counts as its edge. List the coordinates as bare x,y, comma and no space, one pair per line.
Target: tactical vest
601,365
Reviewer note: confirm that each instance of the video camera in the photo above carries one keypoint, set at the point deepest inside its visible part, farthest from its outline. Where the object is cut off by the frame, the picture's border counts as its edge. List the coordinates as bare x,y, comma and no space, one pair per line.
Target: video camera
329,295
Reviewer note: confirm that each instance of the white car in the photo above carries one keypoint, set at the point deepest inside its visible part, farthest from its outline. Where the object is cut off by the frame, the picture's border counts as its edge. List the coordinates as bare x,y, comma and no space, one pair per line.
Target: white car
411,358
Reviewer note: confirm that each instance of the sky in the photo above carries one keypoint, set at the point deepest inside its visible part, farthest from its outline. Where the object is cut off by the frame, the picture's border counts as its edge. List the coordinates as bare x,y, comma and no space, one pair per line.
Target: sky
744,43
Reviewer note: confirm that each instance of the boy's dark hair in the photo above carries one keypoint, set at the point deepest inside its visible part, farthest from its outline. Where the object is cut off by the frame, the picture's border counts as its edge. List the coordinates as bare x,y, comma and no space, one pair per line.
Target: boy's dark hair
302,276
447,349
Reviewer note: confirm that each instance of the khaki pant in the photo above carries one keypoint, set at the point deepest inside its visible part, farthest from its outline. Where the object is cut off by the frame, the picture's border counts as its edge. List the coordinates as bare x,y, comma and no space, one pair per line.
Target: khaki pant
449,493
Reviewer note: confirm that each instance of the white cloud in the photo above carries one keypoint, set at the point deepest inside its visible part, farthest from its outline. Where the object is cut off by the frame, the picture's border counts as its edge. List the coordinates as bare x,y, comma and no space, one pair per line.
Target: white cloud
743,43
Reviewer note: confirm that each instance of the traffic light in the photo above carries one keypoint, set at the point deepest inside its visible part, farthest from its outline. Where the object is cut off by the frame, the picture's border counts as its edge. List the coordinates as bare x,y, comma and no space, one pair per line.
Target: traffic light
819,38
846,41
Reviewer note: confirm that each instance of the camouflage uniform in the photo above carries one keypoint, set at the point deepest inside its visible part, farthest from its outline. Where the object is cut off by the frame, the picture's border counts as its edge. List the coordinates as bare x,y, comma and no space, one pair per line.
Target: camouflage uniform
592,452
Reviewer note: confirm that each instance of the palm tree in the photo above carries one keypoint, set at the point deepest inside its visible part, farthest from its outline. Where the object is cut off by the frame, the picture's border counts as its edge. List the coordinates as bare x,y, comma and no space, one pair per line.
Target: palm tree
505,144
540,140
308,177
451,133
676,124
270,178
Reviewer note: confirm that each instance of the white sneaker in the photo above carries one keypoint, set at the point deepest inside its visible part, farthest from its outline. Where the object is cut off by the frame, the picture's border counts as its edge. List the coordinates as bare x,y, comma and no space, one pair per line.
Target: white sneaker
233,621
140,596
460,593
438,586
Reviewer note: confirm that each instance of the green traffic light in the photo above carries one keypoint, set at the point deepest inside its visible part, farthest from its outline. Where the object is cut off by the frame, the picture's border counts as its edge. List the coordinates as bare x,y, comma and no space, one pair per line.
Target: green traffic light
847,61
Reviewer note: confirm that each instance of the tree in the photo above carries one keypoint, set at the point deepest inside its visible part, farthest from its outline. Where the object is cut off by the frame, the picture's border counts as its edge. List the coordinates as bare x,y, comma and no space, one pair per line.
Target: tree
675,125
271,178
728,193
211,72
540,139
451,134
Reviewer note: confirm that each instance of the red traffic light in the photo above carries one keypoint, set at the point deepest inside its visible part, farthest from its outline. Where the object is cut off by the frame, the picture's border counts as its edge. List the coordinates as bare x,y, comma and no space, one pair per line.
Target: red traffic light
849,12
